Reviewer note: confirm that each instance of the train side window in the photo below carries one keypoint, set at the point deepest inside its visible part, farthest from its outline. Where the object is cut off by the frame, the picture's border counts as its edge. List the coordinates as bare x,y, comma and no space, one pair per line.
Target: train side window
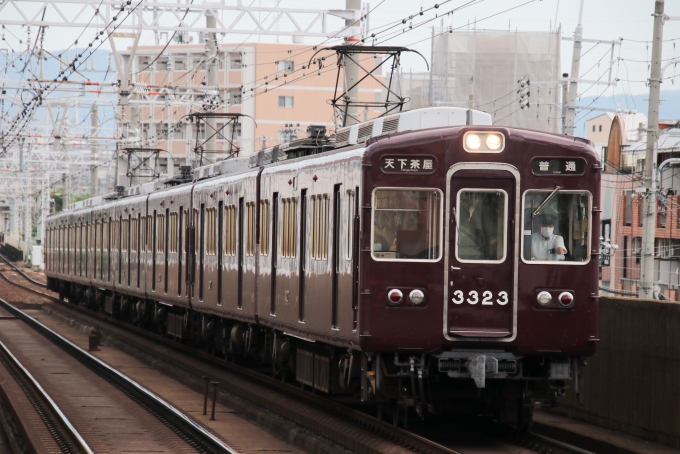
556,227
105,238
349,222
250,228
196,226
406,224
134,245
98,238
288,227
126,233
481,231
160,234
210,243
172,247
264,227
230,230
319,237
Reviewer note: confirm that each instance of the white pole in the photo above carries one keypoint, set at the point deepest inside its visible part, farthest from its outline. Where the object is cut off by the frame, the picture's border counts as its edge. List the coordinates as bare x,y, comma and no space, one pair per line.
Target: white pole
575,66
649,207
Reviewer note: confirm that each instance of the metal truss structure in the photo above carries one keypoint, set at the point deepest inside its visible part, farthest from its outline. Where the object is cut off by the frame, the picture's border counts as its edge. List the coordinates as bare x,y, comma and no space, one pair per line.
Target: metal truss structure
142,164
229,127
56,148
343,101
232,16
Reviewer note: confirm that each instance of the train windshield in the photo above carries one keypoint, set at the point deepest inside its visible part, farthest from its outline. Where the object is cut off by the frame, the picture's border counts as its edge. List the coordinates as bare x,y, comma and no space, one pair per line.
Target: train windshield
407,224
481,225
558,231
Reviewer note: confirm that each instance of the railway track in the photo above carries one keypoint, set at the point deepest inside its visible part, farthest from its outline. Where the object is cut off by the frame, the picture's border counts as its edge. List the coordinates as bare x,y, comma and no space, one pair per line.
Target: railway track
347,415
65,435
66,438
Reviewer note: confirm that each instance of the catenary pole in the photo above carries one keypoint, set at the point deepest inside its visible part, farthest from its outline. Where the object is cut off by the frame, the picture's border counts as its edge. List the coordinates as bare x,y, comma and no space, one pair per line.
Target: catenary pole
573,84
649,196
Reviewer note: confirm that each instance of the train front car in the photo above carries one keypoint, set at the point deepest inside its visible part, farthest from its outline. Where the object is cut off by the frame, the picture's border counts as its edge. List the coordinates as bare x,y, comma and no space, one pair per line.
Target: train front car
479,268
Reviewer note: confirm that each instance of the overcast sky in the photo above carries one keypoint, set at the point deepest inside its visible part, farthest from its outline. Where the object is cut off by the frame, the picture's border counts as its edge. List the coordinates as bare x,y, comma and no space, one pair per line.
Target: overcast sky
602,19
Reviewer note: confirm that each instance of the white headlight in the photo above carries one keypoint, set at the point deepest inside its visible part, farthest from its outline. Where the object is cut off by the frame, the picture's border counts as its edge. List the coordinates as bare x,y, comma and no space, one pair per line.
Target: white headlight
416,296
493,142
544,298
473,142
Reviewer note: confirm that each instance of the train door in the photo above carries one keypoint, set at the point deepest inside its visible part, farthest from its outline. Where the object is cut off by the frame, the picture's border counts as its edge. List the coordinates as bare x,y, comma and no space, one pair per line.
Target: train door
482,256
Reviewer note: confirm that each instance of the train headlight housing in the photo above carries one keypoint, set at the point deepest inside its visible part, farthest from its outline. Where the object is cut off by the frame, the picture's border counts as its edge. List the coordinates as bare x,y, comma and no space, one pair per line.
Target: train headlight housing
483,142
473,142
416,296
565,298
544,298
395,296
494,142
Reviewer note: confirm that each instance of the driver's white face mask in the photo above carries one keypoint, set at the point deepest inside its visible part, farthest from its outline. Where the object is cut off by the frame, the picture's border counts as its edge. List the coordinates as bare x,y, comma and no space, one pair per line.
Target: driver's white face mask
546,232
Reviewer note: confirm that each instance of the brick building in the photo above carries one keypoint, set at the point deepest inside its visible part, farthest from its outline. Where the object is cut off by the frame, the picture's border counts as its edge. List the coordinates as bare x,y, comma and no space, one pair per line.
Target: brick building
624,161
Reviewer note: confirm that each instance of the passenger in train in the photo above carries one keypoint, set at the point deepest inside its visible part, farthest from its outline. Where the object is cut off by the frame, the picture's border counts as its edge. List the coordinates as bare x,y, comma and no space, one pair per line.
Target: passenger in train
545,245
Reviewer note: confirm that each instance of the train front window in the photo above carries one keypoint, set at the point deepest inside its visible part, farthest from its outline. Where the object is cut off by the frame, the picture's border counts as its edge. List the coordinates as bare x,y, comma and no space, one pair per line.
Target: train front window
407,224
480,225
556,229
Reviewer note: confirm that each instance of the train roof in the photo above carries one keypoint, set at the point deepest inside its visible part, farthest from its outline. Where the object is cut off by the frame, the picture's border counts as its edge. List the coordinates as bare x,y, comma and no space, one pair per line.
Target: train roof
348,142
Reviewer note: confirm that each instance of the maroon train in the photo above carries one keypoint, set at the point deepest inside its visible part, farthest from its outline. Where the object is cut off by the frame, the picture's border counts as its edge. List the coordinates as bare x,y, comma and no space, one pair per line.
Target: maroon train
424,259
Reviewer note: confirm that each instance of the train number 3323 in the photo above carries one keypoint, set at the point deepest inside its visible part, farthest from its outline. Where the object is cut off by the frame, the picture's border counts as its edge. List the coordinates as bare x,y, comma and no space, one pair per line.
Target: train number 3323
487,298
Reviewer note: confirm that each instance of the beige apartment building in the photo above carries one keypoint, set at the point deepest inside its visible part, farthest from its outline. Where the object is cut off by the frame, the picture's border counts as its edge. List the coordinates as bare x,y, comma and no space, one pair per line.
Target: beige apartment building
271,83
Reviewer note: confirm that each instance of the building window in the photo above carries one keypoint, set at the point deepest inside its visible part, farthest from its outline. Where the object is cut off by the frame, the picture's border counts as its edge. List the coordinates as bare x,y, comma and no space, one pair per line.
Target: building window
666,248
661,214
636,248
285,101
628,209
319,240
235,60
286,66
264,227
288,227
593,128
234,96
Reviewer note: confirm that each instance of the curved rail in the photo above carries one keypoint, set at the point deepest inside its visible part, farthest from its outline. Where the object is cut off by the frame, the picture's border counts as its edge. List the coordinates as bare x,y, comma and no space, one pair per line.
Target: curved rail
172,417
561,444
32,387
16,268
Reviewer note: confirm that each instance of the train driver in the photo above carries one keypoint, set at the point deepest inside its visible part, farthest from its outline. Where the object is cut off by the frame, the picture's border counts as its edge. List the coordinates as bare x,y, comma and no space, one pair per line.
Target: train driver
545,245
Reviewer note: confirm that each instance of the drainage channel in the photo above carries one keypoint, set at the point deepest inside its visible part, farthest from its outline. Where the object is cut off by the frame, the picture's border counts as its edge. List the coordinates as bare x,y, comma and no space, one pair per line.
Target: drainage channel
176,421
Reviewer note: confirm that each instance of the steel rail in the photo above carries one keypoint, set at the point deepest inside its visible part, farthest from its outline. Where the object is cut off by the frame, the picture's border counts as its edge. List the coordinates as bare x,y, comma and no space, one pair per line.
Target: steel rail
44,398
172,416
16,268
388,431
560,444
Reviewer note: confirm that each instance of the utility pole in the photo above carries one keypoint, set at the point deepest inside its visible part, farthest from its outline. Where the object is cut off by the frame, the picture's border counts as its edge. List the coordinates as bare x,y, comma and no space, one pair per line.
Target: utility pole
212,92
573,85
649,207
94,171
351,68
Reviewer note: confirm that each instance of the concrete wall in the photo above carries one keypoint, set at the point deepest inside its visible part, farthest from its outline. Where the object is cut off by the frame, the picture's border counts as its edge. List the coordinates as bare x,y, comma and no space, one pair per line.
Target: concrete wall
632,384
